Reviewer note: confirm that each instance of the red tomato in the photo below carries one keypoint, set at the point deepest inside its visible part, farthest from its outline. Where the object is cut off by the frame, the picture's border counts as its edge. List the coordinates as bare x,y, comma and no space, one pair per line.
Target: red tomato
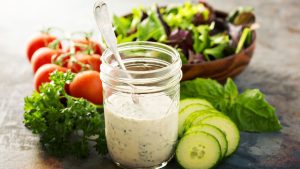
42,40
43,56
90,62
82,45
43,73
87,85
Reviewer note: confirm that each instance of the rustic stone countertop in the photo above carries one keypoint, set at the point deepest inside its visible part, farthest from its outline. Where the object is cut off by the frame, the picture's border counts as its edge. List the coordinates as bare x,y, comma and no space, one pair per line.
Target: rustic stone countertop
274,69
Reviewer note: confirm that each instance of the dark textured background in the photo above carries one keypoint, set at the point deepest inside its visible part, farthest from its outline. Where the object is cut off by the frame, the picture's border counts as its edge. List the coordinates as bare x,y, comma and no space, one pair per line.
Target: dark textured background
275,69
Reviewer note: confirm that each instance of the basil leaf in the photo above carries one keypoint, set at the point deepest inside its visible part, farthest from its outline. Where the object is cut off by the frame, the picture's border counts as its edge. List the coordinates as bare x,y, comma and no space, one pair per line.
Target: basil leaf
207,89
251,112
229,96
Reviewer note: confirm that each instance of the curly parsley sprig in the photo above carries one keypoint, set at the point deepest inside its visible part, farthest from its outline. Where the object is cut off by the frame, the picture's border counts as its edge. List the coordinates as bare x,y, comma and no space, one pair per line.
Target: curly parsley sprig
66,125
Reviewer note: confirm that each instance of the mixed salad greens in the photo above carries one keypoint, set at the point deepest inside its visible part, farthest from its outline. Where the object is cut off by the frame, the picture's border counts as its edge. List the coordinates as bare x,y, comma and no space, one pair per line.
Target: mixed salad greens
195,30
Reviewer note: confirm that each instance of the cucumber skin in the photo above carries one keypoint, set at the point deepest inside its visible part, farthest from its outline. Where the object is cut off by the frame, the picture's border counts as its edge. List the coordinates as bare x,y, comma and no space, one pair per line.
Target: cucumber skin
204,130
188,101
230,121
188,123
183,116
195,133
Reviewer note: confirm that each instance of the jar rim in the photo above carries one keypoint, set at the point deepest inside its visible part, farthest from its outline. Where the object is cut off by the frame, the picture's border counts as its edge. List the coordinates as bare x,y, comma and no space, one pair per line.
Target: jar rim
147,45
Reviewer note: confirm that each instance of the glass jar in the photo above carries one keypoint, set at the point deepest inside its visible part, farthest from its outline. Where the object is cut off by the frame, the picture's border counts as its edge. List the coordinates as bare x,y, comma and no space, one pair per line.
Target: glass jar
141,110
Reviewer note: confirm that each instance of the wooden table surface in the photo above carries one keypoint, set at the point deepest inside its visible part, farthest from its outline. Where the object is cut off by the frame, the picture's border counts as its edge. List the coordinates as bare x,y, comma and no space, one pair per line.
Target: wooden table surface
275,69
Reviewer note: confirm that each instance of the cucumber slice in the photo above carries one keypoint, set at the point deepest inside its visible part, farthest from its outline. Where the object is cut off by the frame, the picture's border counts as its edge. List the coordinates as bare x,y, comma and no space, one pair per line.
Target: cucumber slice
183,114
198,150
185,102
228,128
194,117
214,131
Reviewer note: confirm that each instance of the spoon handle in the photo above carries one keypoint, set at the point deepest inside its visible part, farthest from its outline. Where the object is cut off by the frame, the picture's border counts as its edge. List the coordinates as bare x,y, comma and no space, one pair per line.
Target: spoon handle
105,26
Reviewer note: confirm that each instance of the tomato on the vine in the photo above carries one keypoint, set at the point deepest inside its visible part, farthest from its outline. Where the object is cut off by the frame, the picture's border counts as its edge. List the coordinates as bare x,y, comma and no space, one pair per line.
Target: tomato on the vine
87,85
43,73
87,46
81,62
39,41
46,55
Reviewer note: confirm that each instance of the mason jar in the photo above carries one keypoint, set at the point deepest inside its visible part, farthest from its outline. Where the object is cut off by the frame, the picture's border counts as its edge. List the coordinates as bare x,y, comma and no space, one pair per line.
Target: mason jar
141,104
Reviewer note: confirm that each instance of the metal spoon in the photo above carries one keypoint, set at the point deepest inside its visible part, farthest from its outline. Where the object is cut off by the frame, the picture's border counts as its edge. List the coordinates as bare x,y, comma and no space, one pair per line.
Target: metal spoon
105,26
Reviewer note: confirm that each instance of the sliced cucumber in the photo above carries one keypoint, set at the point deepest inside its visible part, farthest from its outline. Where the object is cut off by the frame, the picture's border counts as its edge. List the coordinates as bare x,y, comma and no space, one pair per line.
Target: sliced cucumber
198,150
186,102
197,116
214,131
228,128
183,114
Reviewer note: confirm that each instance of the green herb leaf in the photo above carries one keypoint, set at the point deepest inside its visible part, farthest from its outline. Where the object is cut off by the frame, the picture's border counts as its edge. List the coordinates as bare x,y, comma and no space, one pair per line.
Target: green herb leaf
64,123
249,110
207,89
229,96
253,113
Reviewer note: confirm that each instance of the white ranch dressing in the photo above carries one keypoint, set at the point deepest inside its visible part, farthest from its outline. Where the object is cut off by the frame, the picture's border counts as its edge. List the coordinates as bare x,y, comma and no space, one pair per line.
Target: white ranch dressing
143,134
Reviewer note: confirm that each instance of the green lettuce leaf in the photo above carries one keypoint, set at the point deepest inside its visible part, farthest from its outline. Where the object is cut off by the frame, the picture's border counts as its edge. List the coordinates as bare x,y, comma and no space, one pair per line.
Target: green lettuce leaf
182,16
216,52
137,14
151,28
201,37
182,56
122,25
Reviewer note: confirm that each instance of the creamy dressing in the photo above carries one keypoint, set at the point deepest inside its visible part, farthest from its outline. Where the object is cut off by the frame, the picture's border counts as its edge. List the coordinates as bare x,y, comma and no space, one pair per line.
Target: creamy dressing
144,134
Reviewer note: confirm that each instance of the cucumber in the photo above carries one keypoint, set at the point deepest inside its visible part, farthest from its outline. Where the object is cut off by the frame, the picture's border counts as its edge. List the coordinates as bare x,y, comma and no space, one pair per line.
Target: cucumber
186,102
194,117
198,150
183,114
214,131
228,128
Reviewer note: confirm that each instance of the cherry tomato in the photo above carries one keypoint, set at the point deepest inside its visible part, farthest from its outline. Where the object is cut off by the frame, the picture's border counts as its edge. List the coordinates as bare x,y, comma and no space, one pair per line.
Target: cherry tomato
43,73
42,40
87,85
82,62
43,56
88,46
